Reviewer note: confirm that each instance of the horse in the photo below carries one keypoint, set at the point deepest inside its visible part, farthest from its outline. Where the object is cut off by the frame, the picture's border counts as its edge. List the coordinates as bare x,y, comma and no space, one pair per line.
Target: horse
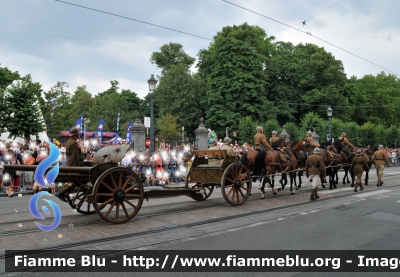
275,161
367,153
332,159
248,158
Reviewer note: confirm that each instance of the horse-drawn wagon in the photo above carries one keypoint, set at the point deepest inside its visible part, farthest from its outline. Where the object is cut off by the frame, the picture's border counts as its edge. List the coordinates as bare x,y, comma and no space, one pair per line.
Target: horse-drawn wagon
116,193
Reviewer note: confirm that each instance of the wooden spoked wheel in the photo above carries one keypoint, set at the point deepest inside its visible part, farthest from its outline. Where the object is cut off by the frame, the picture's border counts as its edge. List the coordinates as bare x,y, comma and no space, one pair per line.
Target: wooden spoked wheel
205,191
78,202
118,195
236,184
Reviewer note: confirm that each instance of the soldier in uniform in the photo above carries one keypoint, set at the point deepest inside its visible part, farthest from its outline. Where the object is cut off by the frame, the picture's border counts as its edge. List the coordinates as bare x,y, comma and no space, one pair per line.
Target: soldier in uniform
346,141
226,147
213,160
274,138
310,141
380,159
358,165
260,142
315,167
73,154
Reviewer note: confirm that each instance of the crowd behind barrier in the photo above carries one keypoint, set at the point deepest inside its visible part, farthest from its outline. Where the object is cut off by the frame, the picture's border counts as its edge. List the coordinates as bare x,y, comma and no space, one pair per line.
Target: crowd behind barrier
169,163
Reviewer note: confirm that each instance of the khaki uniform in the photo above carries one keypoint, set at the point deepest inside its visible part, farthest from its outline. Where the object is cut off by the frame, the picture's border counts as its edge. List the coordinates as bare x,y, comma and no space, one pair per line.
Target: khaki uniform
358,165
228,149
315,167
273,139
214,160
310,142
380,158
73,153
260,142
348,143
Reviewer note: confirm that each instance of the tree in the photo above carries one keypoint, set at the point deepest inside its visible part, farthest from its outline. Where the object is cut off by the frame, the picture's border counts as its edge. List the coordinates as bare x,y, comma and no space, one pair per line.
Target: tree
236,86
182,94
312,122
58,117
169,55
246,129
7,77
293,131
391,134
269,126
21,107
167,126
366,134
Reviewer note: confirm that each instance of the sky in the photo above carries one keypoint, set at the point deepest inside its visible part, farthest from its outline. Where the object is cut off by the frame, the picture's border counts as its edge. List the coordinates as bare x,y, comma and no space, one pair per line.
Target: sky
55,41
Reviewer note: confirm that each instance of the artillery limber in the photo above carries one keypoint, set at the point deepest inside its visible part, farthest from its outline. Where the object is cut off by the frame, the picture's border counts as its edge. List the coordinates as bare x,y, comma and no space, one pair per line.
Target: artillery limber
117,193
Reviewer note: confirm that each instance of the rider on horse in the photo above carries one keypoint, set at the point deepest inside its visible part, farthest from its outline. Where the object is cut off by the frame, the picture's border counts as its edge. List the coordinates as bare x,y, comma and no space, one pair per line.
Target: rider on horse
260,140
346,144
310,141
274,138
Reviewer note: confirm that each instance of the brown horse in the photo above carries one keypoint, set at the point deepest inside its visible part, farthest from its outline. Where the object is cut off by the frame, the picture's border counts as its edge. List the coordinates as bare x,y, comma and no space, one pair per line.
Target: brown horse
274,161
248,158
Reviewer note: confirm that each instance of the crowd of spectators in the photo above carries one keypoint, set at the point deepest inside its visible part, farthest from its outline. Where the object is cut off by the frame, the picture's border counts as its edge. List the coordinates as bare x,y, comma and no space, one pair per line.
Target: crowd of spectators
169,163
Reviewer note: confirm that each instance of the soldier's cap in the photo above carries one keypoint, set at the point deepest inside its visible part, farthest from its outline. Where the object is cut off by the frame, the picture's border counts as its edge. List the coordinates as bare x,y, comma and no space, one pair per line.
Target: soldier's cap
226,140
344,134
317,150
274,132
259,128
309,133
74,131
213,142
358,152
380,146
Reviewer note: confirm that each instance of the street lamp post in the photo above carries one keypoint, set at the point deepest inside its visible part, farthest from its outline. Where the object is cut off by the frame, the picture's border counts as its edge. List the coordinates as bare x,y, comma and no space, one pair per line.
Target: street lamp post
152,86
227,130
183,139
329,113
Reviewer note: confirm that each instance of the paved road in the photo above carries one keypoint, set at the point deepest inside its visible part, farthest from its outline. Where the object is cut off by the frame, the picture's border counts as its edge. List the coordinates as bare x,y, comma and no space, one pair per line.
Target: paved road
340,220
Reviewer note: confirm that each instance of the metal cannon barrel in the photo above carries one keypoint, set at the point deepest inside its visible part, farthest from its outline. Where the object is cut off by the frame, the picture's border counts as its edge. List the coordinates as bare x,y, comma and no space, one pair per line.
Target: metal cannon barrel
63,169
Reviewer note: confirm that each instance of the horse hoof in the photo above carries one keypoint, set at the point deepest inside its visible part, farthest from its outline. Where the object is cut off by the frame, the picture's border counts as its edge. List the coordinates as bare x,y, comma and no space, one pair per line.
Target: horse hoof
296,188
322,185
348,182
292,193
352,185
274,193
330,188
299,186
262,195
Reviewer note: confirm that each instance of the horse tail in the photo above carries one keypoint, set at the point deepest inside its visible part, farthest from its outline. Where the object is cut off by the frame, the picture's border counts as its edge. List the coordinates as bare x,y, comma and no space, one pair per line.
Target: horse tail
243,159
259,162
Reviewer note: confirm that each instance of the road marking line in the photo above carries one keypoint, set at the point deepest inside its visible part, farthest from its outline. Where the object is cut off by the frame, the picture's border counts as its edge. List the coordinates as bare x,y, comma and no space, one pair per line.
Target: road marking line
366,194
335,190
398,201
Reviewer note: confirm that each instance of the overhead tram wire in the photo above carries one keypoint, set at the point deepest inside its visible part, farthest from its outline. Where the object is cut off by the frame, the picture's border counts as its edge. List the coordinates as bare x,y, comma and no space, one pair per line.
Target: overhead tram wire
309,17
327,42
132,19
86,38
333,106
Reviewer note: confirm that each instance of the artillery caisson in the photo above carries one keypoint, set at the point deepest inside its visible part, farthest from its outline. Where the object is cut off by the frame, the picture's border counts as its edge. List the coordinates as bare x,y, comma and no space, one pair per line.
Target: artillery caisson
116,193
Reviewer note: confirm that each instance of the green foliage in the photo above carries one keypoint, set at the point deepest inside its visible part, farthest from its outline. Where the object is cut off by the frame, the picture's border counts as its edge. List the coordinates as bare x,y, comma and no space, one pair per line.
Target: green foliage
293,131
366,134
182,94
269,126
168,127
246,129
336,128
353,133
23,116
391,134
169,55
311,122
7,77
236,85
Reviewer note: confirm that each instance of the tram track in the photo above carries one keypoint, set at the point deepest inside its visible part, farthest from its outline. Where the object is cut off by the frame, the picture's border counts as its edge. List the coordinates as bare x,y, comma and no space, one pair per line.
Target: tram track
184,226
140,216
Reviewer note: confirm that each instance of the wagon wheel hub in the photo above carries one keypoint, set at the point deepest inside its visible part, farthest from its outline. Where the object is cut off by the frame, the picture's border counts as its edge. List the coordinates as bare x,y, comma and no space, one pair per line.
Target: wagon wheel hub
237,184
119,195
